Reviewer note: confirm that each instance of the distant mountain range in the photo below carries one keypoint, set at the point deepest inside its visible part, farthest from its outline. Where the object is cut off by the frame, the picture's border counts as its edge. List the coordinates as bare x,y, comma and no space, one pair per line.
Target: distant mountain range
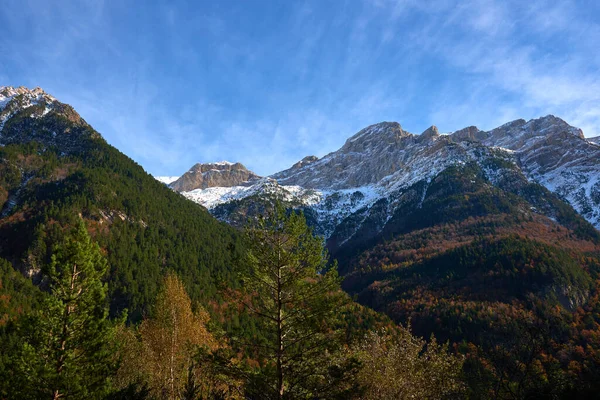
383,160
437,227
356,192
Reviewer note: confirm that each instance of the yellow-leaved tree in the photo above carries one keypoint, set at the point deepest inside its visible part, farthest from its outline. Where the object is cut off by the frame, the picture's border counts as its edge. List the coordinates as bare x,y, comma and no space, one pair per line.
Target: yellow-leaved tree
162,355
398,365
171,338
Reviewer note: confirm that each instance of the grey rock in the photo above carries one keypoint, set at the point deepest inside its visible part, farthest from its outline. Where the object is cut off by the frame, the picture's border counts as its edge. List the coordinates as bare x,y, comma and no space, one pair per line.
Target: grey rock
223,174
594,139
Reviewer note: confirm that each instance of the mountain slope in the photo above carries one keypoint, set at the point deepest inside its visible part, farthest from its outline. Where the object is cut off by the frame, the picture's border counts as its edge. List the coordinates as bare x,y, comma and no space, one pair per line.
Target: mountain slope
54,167
166,179
594,139
557,156
452,232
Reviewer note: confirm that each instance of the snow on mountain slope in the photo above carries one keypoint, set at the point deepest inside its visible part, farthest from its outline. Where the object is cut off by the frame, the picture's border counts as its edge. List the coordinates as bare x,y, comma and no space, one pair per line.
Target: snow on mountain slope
372,165
166,179
556,155
14,99
383,160
213,196
28,115
329,207
595,140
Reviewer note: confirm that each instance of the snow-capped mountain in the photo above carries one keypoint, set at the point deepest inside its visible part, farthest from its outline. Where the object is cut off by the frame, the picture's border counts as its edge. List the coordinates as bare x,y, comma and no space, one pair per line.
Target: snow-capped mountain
556,155
385,162
378,177
13,100
34,115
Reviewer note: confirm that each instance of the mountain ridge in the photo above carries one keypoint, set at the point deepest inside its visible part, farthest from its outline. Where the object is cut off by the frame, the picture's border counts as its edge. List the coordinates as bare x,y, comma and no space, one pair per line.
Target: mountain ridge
383,159
33,115
222,174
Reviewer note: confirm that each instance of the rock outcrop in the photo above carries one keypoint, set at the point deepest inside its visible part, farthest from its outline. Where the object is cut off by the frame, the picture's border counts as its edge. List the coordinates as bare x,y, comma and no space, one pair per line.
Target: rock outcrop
219,174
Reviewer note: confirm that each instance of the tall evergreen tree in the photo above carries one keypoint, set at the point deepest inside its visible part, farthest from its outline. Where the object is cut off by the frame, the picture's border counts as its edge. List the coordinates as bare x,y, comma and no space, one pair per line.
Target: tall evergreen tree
68,352
296,300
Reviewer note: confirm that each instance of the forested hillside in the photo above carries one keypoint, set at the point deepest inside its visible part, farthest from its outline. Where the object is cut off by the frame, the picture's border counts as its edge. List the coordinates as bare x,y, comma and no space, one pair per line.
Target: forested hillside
114,286
48,180
514,290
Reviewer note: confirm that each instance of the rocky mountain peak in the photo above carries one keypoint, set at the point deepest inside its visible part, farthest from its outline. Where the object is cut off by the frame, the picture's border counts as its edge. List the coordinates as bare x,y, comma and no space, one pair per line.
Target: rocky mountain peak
560,124
468,133
305,161
383,159
429,134
373,136
219,166
9,92
221,174
519,133
374,156
34,115
16,99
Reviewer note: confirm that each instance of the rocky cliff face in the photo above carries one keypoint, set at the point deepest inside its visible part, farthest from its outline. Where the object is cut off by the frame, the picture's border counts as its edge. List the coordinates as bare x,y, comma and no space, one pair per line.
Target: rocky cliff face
382,155
556,155
219,174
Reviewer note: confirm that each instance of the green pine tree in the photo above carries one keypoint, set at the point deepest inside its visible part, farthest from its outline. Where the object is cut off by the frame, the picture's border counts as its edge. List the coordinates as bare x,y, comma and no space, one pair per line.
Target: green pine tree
68,351
297,300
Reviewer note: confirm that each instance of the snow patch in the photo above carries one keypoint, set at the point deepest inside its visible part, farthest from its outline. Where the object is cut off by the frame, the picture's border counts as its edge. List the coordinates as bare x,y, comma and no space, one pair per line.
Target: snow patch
166,179
330,206
11,103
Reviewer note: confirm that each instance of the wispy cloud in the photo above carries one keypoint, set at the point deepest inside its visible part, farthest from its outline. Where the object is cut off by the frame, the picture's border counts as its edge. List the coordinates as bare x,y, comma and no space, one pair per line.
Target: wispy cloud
516,63
173,83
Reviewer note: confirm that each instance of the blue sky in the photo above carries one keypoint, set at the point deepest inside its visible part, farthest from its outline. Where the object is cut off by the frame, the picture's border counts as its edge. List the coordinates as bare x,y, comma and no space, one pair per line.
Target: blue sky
172,83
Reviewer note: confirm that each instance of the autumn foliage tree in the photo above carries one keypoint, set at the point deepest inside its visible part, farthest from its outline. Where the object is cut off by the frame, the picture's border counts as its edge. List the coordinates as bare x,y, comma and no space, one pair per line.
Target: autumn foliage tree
398,365
162,354
170,338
